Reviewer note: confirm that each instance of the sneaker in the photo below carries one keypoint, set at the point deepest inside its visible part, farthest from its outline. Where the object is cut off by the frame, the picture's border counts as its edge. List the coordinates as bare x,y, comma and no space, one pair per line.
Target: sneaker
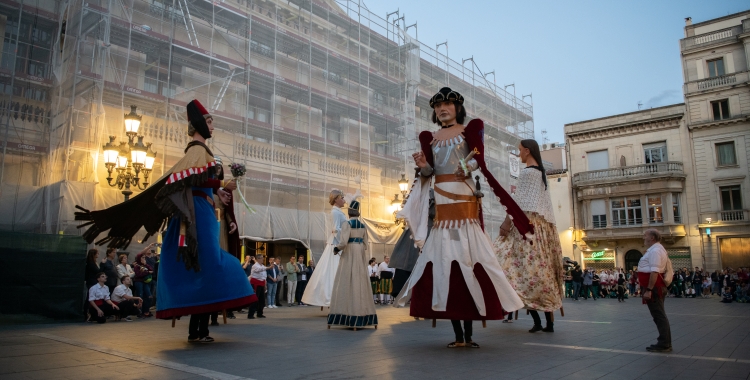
206,339
127,319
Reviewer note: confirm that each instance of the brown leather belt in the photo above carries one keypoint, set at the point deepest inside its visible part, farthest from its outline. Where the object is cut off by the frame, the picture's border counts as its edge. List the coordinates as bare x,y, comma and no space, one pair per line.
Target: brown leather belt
457,211
198,193
439,178
455,197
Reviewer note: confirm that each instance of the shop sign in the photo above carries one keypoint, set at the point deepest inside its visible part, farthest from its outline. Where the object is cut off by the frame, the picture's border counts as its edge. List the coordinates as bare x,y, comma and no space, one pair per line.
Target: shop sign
597,254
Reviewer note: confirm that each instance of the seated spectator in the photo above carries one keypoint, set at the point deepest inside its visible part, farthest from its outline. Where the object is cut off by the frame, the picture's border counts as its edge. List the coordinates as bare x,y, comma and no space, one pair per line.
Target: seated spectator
124,269
142,281
689,290
101,306
122,296
726,295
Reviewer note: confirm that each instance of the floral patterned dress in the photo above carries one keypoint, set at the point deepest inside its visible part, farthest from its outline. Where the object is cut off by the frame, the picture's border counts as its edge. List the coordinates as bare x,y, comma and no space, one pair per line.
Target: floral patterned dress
534,270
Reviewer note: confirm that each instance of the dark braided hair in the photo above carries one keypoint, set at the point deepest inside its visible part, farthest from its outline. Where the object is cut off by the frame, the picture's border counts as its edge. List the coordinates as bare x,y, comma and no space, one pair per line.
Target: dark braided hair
533,148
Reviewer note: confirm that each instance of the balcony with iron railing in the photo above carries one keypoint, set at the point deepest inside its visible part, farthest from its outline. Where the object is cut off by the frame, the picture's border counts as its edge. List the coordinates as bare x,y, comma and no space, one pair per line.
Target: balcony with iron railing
625,173
711,38
716,83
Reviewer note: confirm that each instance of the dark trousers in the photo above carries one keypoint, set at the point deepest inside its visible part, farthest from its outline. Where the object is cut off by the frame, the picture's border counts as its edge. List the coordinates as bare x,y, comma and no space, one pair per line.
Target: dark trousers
586,290
538,321
576,289
621,293
257,307
399,280
198,325
105,308
281,289
144,291
301,285
464,335
127,308
656,307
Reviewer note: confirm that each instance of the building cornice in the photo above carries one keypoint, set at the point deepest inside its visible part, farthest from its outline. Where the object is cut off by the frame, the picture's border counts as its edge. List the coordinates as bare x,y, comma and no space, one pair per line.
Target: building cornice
630,128
719,123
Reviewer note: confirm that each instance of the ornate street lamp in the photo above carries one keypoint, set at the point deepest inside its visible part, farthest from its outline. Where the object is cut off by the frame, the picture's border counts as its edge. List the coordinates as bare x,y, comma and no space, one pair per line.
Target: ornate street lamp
129,159
403,184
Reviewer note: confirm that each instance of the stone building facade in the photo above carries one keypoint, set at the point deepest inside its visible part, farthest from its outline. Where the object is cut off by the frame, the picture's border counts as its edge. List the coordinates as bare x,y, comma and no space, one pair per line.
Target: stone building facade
715,56
632,172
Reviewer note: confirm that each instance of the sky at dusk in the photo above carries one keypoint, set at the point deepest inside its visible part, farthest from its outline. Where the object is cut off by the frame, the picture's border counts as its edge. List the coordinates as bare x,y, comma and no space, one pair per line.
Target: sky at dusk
581,60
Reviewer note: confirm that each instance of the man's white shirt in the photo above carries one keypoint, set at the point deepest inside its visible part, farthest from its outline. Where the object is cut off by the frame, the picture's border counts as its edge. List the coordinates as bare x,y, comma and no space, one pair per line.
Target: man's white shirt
98,292
383,267
654,260
258,272
118,295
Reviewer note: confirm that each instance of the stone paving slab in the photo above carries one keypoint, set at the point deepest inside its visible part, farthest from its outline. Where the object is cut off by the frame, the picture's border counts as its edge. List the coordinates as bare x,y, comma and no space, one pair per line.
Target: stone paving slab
597,339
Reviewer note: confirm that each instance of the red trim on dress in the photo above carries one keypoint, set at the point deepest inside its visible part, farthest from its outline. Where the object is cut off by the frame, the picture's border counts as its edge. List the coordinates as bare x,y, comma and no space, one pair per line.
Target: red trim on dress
460,304
209,308
182,174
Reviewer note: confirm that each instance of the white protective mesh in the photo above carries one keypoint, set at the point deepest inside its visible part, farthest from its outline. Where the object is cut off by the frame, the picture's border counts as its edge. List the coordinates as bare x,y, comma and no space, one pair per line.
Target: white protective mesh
309,94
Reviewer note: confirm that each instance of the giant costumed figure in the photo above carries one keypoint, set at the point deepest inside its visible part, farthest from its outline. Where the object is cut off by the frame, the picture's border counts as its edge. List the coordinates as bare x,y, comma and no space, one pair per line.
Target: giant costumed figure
196,277
350,301
320,287
457,276
535,270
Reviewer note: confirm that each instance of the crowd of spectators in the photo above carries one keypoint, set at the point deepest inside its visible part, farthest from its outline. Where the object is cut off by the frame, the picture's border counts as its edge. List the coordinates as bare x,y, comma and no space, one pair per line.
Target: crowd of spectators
110,283
729,285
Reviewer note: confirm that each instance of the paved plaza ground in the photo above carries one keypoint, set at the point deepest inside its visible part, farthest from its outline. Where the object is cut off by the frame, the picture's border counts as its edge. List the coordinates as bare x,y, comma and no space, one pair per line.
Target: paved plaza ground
596,339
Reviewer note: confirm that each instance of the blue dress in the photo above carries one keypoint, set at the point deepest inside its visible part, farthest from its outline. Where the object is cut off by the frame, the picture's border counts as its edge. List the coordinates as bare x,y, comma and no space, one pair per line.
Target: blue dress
221,283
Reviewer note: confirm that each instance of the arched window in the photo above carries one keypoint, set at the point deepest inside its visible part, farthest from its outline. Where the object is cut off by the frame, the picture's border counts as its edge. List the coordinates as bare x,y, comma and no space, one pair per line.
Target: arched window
632,258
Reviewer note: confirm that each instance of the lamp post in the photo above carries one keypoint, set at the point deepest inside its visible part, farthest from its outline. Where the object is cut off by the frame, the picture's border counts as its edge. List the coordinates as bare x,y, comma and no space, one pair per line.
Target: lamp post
129,159
403,184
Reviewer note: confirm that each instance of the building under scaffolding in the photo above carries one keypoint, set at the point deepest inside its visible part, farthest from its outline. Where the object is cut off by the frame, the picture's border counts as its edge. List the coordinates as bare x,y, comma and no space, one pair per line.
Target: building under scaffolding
309,95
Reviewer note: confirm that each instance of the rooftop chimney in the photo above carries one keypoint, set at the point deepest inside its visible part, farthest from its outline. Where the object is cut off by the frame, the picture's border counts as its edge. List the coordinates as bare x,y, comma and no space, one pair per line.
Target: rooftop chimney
688,21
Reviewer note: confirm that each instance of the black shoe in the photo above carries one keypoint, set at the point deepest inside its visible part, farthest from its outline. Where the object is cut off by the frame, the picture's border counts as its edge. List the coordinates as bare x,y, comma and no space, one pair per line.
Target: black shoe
250,317
655,348
536,328
215,323
261,316
550,328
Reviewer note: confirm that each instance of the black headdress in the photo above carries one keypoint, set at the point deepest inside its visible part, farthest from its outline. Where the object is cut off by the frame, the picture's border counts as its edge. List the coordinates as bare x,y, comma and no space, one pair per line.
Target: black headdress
446,94
197,116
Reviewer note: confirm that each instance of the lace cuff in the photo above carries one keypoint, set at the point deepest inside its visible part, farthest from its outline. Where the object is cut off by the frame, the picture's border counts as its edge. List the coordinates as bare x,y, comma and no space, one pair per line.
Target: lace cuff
426,171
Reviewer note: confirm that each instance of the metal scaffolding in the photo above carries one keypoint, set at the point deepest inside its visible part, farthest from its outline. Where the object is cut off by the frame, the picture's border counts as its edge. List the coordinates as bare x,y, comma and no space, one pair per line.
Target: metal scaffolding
309,95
